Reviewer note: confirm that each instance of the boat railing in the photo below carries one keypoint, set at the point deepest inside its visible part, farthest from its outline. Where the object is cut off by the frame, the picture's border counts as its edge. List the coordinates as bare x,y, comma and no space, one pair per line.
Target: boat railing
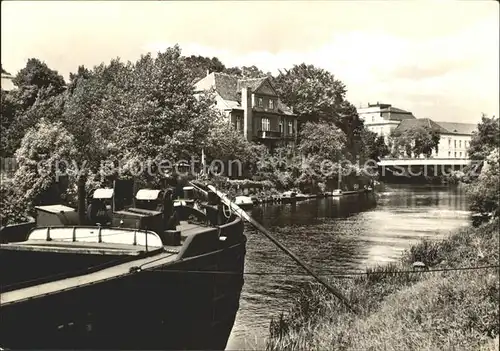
144,237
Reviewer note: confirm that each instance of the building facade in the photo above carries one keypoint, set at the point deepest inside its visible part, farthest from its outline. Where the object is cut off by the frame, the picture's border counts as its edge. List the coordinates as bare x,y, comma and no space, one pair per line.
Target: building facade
382,119
7,84
454,141
253,107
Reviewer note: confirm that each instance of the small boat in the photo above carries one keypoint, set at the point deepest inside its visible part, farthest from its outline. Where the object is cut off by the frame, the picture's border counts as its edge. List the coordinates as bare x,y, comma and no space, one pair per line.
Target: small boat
337,193
244,202
130,279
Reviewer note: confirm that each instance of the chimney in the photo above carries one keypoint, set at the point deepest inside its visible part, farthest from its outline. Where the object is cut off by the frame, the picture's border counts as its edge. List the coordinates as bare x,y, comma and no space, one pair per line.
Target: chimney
246,104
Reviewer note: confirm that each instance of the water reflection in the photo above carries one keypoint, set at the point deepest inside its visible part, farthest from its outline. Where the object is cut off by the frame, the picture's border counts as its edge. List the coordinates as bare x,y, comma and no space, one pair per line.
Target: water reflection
339,236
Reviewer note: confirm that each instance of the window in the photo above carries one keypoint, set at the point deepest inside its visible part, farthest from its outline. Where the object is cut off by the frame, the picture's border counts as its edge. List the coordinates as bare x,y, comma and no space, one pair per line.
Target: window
281,127
373,118
290,128
460,143
271,104
449,153
266,124
455,155
260,102
449,141
238,124
465,143
460,155
455,145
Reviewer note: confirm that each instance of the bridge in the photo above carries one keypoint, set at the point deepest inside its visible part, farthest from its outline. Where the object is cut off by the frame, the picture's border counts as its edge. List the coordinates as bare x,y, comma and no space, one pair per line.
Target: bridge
424,167
406,162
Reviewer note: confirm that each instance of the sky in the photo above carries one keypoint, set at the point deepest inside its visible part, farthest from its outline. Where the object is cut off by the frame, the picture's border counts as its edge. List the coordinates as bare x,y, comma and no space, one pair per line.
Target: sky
438,59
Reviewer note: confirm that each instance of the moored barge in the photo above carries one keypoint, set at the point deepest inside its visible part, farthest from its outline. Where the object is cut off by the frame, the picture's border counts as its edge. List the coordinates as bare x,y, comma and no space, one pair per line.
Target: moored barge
152,276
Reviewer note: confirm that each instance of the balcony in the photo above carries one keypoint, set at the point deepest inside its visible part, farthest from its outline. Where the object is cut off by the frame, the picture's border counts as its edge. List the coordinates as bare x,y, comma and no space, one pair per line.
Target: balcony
268,134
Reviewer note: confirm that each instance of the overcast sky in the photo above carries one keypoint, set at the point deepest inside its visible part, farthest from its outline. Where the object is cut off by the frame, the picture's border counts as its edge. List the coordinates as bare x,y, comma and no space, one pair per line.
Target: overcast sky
438,59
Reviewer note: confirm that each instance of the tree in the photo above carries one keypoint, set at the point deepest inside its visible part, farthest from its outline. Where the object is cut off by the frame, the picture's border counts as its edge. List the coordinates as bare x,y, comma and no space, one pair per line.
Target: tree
7,118
45,154
200,65
416,141
322,147
34,77
312,92
374,147
82,73
16,120
484,192
486,139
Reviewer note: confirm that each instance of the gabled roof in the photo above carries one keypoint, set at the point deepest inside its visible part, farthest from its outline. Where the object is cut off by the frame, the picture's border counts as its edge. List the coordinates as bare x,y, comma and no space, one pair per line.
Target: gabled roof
226,86
458,128
409,124
229,88
252,83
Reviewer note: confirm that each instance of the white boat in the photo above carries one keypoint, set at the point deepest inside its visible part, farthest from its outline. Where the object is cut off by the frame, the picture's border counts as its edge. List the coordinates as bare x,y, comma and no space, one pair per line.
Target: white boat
337,192
243,201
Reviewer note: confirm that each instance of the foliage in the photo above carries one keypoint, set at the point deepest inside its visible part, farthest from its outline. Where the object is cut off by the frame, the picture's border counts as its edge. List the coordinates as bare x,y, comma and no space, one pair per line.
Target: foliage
441,310
34,77
322,145
82,73
45,154
484,192
200,65
16,120
413,142
226,143
486,139
312,92
374,146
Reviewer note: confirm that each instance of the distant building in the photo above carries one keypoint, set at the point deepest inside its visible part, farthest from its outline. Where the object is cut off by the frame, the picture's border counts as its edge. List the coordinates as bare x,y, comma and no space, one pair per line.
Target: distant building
455,140
253,107
6,83
382,119
454,137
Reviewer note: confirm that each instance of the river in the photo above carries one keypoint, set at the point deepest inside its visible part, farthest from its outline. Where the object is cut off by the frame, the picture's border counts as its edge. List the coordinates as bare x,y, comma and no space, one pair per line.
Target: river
338,236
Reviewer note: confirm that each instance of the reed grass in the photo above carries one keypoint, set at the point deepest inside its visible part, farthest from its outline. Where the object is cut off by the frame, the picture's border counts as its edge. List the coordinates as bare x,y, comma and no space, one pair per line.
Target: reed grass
405,311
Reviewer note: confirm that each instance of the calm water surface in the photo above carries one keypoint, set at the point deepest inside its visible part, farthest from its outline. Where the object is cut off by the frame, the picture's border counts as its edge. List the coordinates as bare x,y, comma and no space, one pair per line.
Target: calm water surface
338,236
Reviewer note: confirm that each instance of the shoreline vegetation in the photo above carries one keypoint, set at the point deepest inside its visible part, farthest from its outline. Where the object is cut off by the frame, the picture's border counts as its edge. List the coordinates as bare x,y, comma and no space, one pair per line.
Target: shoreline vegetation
413,310
425,301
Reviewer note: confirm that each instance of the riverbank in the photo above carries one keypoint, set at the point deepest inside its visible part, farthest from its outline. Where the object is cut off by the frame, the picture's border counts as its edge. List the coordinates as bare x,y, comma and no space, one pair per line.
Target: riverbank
406,311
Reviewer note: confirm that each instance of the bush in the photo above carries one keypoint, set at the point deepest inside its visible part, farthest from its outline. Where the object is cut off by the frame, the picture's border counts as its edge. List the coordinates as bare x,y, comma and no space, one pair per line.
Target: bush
484,192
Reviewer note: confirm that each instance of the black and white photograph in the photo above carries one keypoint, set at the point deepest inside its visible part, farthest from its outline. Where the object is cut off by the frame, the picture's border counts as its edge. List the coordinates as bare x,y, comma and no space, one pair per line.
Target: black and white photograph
250,175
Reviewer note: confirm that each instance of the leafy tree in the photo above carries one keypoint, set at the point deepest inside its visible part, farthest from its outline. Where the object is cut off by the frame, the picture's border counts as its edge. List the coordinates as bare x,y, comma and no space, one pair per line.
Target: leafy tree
486,139
34,77
322,147
312,92
374,146
16,120
416,141
484,192
42,157
82,73
199,65
7,118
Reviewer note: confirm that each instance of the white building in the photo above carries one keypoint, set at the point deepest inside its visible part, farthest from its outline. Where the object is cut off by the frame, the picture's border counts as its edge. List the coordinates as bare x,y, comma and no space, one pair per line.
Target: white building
382,119
6,83
454,137
455,142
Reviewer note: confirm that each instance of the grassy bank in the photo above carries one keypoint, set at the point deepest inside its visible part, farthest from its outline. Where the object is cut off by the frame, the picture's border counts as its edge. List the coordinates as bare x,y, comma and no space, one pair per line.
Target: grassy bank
406,311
